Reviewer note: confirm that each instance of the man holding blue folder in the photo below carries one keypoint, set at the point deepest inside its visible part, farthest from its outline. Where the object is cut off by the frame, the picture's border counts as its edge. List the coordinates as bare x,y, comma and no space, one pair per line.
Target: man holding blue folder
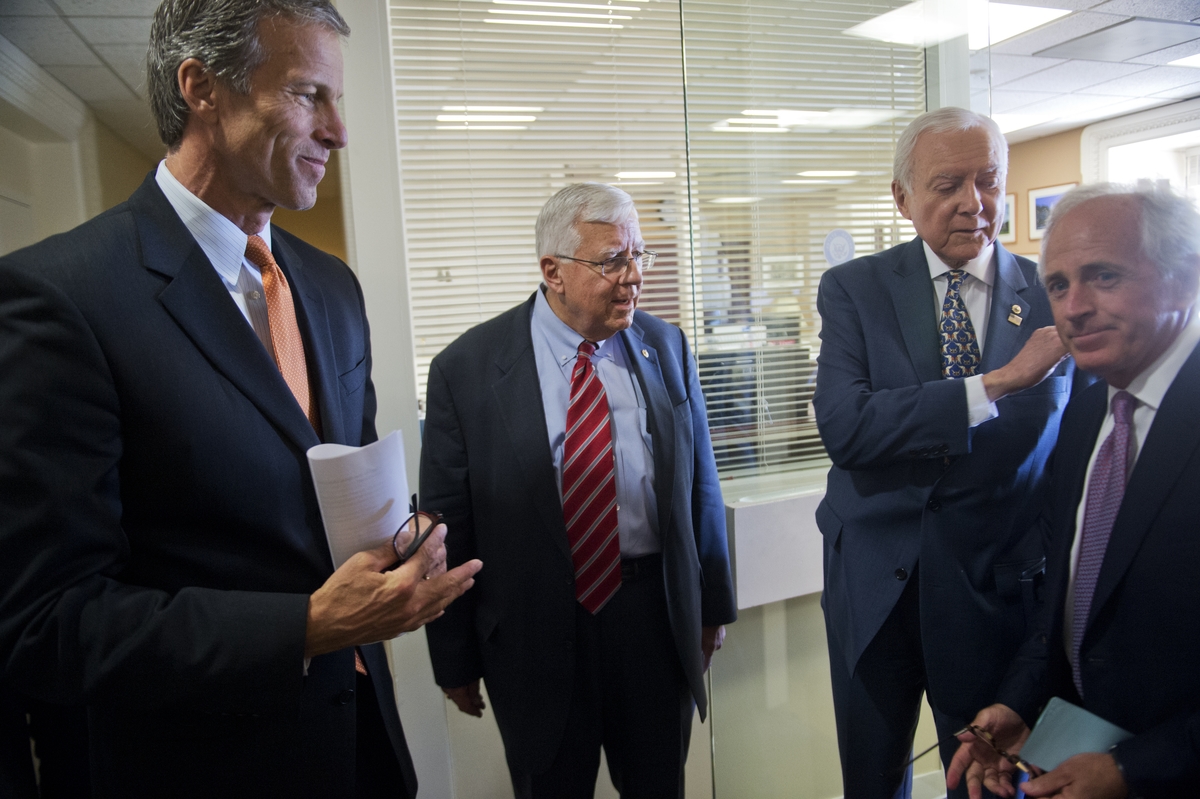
1120,636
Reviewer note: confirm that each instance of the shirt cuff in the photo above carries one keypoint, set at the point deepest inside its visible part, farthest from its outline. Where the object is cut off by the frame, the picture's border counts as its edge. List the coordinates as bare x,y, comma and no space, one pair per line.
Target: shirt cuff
979,408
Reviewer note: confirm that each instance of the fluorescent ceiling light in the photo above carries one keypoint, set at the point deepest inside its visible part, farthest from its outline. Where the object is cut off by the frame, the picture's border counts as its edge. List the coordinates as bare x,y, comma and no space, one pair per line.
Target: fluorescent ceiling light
644,175
1190,61
564,5
482,127
828,173
551,24
485,118
928,22
523,12
494,109
1013,122
735,200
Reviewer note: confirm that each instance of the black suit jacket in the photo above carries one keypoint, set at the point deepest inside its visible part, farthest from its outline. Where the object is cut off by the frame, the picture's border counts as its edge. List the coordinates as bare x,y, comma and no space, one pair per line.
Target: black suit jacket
1140,655
912,483
159,531
486,464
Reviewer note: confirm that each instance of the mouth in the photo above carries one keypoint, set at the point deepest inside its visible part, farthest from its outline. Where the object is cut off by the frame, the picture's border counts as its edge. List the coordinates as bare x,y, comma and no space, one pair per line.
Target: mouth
314,162
1088,339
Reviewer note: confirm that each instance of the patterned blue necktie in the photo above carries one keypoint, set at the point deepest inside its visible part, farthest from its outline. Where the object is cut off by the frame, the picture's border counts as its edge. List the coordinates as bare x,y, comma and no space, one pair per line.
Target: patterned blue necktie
960,348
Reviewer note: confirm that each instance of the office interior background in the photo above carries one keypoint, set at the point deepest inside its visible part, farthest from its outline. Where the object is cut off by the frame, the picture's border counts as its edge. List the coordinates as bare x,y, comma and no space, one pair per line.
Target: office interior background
746,130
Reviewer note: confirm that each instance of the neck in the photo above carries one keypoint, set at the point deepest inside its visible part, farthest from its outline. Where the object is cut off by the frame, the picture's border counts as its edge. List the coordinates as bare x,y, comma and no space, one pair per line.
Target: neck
199,171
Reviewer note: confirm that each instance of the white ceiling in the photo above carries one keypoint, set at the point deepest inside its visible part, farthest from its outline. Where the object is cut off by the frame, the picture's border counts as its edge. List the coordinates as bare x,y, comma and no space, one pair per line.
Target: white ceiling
96,48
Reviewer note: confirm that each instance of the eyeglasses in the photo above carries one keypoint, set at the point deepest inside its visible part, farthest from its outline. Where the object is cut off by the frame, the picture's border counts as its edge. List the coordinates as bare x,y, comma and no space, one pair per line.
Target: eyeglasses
618,264
412,534
983,735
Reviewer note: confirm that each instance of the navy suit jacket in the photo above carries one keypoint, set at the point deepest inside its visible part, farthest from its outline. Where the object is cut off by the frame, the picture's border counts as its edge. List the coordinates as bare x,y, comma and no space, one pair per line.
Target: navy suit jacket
486,464
1141,645
159,531
912,483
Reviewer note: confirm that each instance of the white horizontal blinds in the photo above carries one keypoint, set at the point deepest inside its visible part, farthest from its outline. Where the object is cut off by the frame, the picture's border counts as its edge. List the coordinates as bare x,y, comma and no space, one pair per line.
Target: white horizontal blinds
500,103
792,127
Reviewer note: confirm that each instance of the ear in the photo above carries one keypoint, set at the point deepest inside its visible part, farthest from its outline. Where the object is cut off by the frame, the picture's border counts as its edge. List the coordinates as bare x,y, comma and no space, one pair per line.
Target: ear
901,198
552,275
199,89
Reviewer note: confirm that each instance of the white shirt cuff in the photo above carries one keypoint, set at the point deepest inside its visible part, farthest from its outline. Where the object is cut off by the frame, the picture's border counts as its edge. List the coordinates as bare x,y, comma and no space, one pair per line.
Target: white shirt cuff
979,408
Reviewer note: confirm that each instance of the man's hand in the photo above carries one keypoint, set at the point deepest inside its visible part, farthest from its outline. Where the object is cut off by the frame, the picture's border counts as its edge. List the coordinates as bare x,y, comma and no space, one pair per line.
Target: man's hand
711,639
361,603
979,761
1090,776
1032,365
468,698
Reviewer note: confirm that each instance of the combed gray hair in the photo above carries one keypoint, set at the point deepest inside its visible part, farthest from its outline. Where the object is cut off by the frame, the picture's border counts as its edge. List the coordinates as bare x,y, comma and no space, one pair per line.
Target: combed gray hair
223,34
944,120
577,204
1168,227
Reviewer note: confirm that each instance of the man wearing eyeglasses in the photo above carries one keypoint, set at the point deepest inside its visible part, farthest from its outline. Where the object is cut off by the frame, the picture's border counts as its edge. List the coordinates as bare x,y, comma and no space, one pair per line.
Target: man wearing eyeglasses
566,444
939,389
1121,631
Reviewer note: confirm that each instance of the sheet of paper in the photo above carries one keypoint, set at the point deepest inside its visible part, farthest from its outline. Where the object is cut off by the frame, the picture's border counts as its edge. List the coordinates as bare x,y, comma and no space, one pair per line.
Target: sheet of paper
362,491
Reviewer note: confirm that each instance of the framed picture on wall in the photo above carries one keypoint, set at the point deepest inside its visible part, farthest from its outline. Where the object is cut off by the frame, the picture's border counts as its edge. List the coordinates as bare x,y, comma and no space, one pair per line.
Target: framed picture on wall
1040,203
1008,231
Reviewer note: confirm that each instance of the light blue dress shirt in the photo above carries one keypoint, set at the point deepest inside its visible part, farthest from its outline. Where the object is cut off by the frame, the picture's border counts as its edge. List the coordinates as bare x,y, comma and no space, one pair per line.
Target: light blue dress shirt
554,348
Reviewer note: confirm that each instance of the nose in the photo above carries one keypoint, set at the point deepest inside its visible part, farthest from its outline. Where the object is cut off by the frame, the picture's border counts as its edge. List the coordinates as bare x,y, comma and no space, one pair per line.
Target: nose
633,275
1075,305
333,131
970,200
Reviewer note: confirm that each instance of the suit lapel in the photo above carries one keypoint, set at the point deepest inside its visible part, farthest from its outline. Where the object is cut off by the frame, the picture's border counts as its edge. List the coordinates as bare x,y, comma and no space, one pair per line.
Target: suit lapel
1172,441
912,296
200,304
1004,339
643,360
313,320
518,395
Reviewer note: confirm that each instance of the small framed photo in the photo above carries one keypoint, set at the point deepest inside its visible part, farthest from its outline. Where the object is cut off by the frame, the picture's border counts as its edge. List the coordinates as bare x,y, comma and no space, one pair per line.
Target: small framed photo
1040,203
1008,231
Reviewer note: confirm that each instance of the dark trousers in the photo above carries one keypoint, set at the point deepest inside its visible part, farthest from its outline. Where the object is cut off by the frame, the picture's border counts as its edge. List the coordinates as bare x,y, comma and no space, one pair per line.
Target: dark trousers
60,738
377,773
630,696
878,706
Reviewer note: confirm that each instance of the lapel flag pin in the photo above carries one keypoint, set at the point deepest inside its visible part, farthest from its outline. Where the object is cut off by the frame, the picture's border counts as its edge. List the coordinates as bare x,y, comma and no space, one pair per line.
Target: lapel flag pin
645,354
1015,317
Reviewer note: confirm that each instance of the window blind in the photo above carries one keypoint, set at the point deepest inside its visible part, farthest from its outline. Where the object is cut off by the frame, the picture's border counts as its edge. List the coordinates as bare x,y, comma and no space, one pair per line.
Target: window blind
745,131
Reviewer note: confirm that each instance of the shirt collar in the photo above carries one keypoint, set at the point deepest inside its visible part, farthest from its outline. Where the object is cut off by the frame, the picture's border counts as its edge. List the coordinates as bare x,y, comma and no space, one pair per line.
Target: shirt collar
1151,385
981,267
563,341
222,241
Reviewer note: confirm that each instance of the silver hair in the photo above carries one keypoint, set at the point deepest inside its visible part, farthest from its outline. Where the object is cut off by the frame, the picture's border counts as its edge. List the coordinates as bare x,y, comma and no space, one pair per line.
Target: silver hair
1168,227
944,120
223,34
577,204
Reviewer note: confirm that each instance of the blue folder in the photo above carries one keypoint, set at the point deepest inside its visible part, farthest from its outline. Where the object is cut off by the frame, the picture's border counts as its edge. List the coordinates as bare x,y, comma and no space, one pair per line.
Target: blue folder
1065,730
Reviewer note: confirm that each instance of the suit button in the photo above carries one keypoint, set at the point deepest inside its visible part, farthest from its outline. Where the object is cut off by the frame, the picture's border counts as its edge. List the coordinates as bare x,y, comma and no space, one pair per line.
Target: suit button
933,505
345,697
901,574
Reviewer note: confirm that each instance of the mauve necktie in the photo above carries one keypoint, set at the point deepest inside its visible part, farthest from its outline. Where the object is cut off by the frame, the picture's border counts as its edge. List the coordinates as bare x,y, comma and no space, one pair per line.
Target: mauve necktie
960,347
1106,489
589,487
286,342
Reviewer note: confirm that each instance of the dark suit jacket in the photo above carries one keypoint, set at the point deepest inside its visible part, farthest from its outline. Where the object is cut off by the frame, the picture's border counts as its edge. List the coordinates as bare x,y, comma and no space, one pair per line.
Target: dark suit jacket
911,483
159,531
486,464
1141,645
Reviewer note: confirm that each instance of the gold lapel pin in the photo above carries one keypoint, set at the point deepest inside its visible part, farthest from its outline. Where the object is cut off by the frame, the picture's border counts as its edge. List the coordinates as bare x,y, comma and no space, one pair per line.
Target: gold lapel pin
1015,317
645,354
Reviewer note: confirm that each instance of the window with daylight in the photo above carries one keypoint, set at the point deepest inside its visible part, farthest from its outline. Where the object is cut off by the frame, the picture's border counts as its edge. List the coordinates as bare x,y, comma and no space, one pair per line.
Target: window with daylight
746,132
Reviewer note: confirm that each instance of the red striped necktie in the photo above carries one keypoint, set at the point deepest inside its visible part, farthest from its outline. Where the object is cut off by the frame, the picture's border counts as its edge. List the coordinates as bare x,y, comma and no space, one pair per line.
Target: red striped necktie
590,487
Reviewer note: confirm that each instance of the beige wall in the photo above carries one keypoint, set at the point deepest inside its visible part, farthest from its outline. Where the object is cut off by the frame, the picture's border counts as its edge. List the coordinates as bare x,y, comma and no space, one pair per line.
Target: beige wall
119,167
1048,161
322,225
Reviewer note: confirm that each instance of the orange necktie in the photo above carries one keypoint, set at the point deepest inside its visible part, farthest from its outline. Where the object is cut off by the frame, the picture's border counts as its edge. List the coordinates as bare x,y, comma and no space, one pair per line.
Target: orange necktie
286,342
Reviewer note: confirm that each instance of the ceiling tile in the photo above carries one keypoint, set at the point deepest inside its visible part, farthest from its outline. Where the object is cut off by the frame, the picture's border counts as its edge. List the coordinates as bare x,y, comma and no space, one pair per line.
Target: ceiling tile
122,53
1180,10
1169,54
1181,92
92,84
131,120
134,76
1074,5
1147,82
26,8
1006,102
113,30
1072,76
108,8
47,40
1006,68
1071,105
1128,39
1057,32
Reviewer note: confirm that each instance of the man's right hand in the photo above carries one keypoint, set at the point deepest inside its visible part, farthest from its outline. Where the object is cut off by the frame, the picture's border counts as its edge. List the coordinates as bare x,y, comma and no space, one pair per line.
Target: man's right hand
468,698
361,603
1030,366
979,762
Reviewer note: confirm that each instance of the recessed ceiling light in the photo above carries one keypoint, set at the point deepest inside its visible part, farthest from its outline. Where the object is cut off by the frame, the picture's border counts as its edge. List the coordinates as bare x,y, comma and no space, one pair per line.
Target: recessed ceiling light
644,175
734,200
828,173
922,24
